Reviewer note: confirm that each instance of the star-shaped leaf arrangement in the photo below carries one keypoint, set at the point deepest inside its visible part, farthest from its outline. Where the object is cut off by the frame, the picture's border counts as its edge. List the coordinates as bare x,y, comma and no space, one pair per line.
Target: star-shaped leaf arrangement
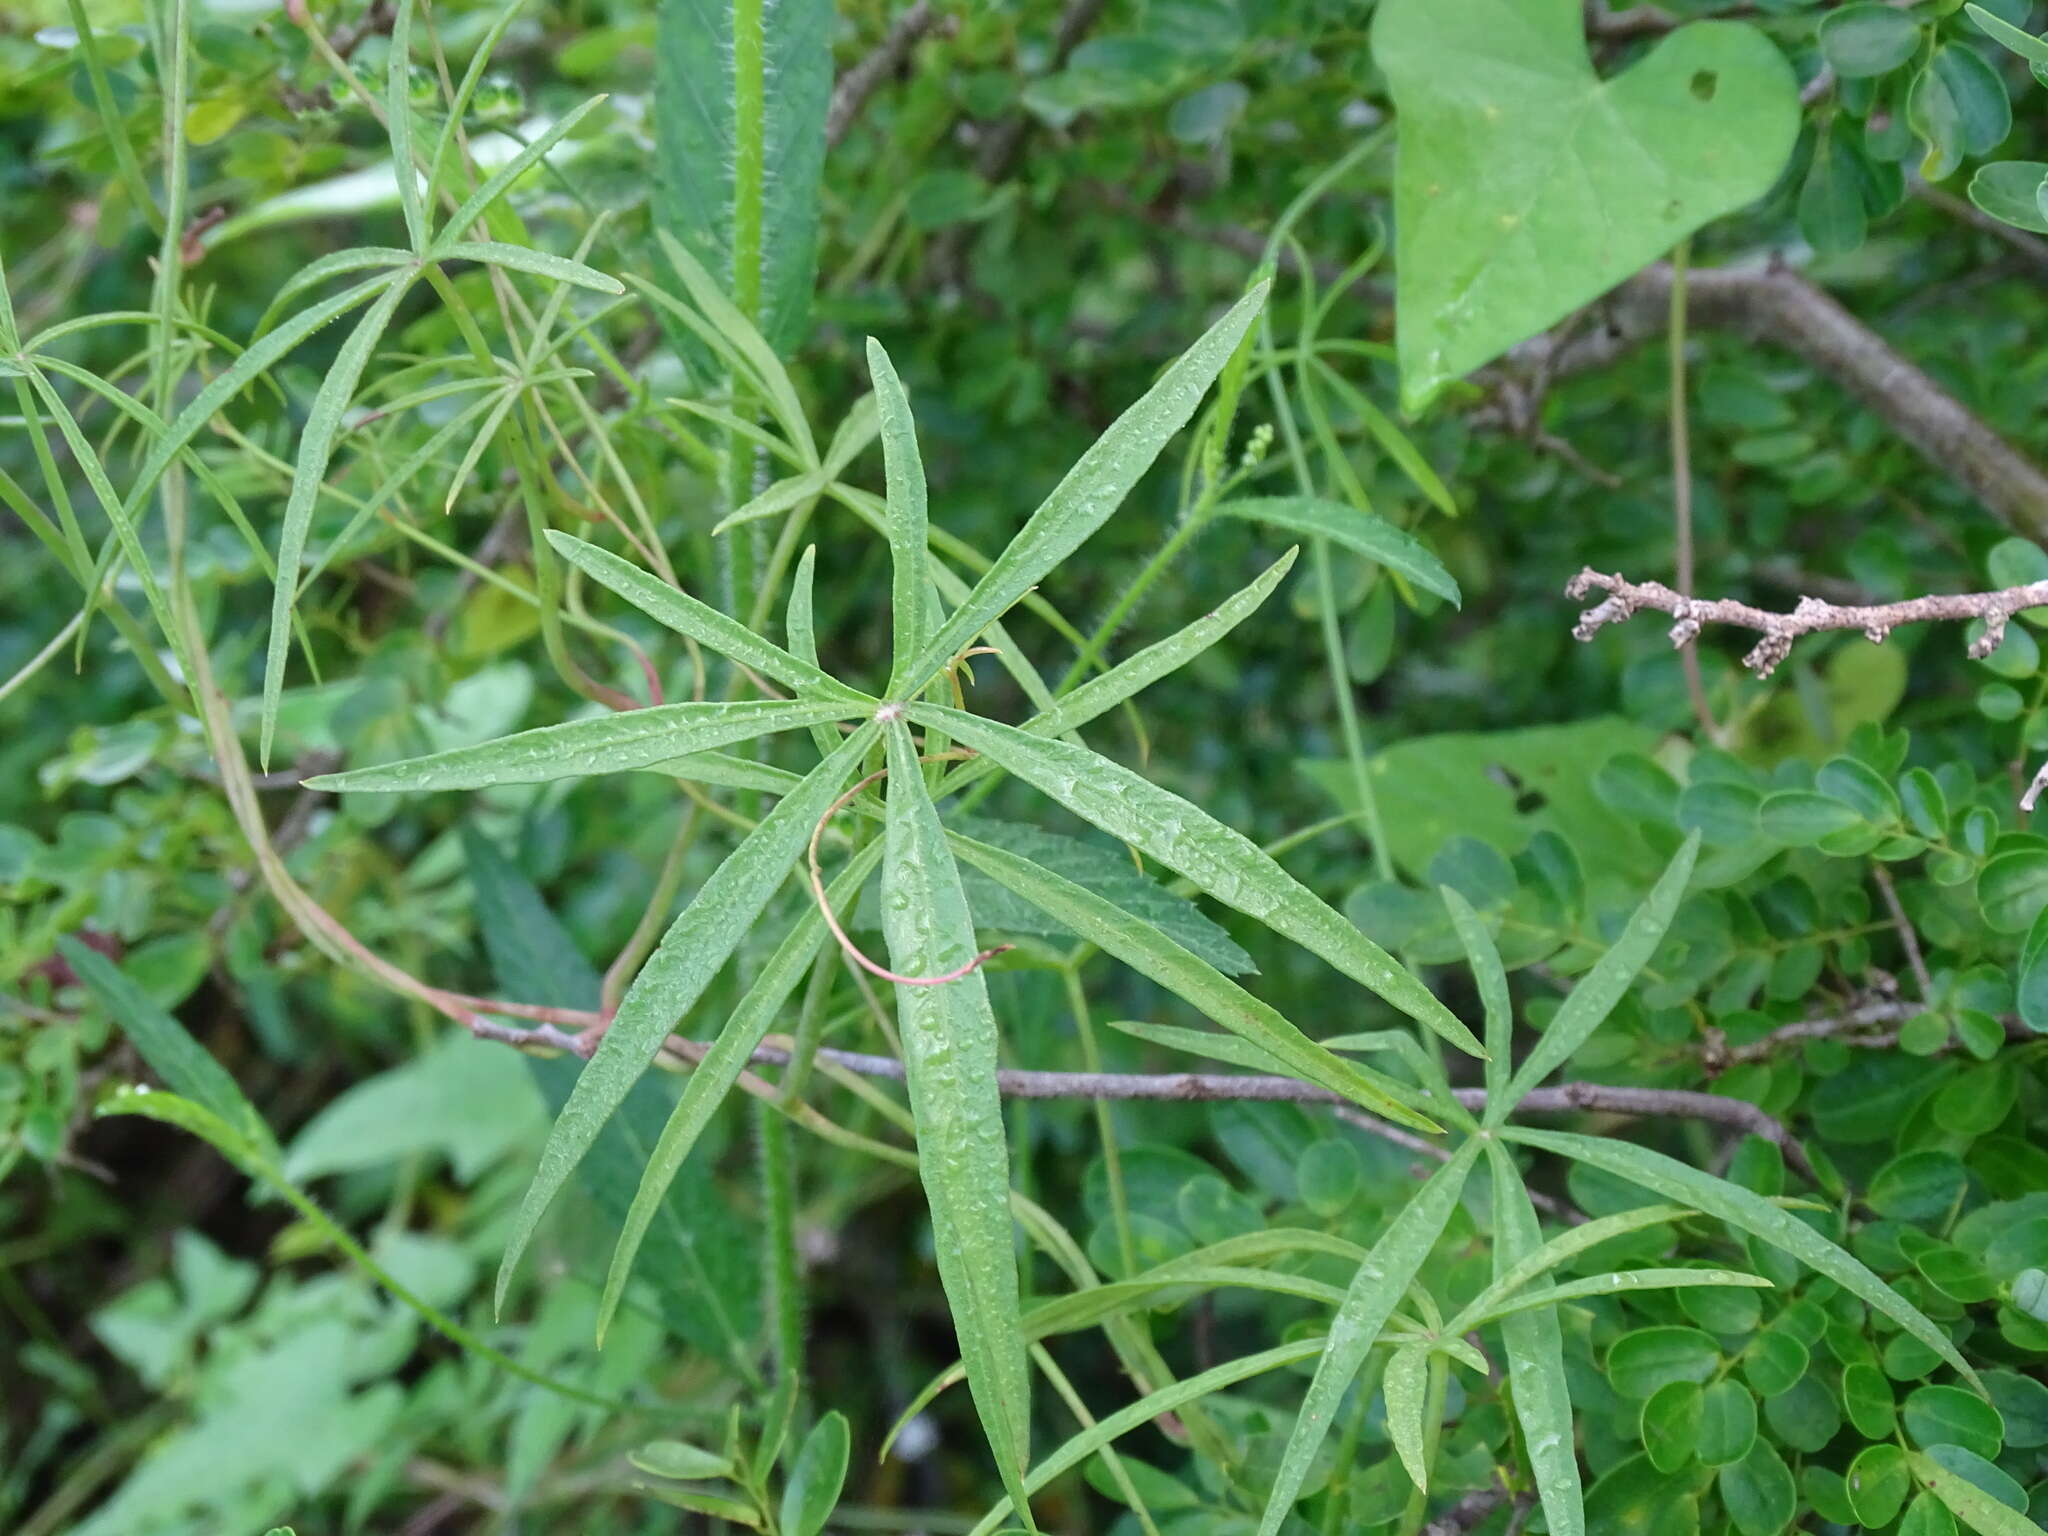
948,1029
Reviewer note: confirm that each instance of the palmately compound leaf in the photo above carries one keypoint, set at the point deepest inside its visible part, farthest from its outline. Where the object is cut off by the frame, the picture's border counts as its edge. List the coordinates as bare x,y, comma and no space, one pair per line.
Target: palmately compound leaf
611,743
1220,860
1753,1214
1528,185
949,1059
1093,489
909,520
1153,954
696,945
699,621
1595,995
1375,1291
1534,1346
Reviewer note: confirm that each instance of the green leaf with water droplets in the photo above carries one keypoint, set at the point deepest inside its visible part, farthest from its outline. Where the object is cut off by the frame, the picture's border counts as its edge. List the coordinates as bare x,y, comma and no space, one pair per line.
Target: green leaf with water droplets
1596,993
690,954
1375,1291
609,743
1218,859
1155,955
1534,1346
949,1065
1093,489
1751,1213
699,621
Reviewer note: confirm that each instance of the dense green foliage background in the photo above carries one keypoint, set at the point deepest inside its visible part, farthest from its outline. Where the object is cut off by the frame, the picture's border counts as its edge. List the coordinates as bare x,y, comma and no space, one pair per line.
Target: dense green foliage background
1035,211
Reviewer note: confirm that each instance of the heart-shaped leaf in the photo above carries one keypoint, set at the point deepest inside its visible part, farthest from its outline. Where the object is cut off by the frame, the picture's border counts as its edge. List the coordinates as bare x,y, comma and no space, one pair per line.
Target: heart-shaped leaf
1528,185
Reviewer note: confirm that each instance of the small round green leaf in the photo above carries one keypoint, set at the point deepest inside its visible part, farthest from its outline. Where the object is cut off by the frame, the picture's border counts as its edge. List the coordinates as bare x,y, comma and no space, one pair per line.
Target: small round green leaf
1727,1423
1859,41
1641,1362
1868,1397
1940,1415
1879,1480
1670,1425
1758,1492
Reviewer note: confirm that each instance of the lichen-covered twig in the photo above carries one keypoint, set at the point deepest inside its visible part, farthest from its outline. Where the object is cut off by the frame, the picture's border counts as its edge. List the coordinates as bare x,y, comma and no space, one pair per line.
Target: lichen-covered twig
1625,599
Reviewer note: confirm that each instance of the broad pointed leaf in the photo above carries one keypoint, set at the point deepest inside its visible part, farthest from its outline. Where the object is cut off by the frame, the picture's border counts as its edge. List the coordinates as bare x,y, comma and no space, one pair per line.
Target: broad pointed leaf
1528,185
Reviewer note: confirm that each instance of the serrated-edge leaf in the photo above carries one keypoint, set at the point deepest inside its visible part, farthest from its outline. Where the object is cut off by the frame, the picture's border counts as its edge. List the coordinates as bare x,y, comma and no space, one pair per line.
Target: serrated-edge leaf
1482,955
457,227
1534,1345
610,743
1217,858
1374,1292
1363,533
1753,1214
701,622
1092,490
909,519
316,444
1406,1387
690,954
1157,956
1107,1430
1596,993
522,258
948,1036
713,1077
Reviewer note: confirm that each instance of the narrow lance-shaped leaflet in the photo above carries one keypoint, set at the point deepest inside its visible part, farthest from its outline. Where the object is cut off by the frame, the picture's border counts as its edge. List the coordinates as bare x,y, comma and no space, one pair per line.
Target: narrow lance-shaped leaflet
1217,858
693,950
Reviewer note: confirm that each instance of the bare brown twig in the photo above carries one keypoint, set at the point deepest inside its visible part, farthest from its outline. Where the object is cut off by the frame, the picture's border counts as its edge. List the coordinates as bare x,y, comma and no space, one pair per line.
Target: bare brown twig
1775,304
859,82
1811,615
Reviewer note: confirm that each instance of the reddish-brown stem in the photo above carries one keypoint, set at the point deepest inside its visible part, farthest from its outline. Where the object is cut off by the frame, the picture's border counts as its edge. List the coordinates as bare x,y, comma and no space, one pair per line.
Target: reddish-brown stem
846,944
